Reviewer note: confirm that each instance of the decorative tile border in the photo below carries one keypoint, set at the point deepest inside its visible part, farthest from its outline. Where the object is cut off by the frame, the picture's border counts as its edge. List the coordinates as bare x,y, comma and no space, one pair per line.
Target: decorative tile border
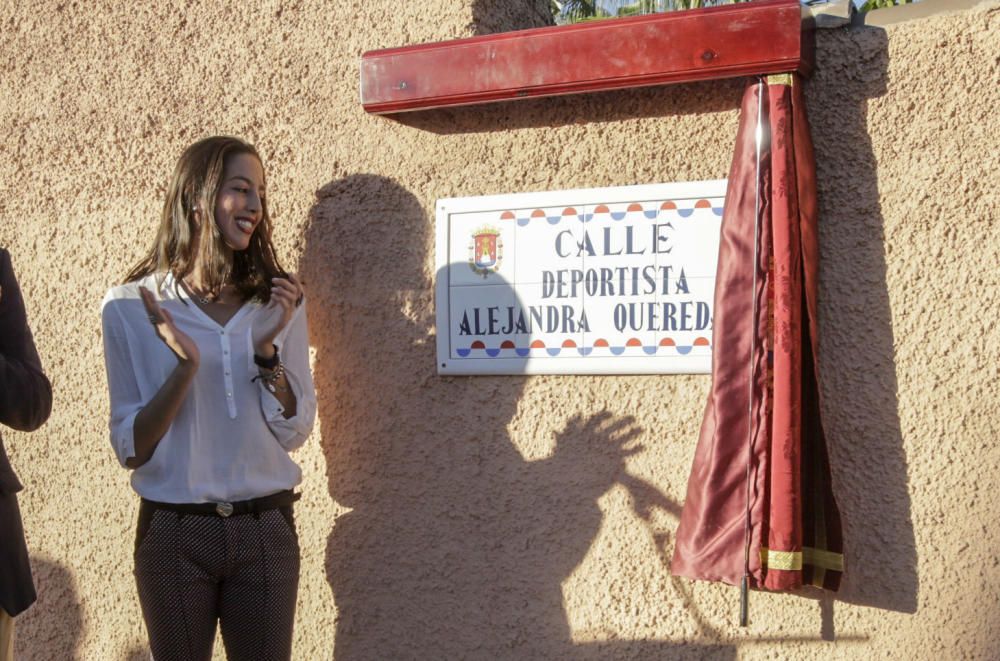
478,348
602,210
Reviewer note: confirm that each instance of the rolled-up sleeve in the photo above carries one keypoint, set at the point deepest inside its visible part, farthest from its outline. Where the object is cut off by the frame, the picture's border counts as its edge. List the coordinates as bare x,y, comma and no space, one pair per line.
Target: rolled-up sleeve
293,347
25,392
126,398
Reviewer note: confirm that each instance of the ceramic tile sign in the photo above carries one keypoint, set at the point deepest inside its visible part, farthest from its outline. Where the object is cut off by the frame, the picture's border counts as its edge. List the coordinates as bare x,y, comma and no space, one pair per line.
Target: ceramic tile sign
591,281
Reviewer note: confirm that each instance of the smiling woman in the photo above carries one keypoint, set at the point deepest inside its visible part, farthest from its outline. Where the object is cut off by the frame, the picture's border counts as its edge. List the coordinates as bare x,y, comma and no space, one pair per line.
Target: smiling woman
216,179
208,370
239,203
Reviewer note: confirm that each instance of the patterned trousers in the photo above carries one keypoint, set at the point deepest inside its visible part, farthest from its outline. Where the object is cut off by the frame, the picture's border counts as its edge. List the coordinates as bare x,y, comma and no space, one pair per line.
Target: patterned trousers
194,570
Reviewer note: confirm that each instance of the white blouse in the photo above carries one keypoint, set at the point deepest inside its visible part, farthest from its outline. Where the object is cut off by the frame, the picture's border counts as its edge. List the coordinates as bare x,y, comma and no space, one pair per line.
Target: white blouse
229,440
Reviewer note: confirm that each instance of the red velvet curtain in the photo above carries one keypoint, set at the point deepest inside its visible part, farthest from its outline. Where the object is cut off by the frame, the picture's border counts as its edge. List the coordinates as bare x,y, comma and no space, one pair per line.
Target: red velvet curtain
759,503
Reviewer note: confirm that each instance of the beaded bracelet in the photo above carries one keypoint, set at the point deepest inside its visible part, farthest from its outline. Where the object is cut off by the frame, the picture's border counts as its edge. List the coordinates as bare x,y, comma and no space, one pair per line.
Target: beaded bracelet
270,379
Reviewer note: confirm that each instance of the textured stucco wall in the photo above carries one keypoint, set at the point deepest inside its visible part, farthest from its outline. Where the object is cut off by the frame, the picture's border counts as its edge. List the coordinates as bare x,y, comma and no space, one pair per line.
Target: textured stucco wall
489,517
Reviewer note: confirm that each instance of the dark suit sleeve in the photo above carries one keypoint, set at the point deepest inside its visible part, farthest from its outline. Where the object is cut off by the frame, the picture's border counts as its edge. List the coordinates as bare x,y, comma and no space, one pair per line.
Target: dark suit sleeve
25,392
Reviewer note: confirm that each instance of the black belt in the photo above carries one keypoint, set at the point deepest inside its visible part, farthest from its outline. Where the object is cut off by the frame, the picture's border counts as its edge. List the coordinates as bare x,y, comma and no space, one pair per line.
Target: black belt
224,509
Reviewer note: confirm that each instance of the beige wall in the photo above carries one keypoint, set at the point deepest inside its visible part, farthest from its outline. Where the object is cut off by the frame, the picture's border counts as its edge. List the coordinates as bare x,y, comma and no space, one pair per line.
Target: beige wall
440,518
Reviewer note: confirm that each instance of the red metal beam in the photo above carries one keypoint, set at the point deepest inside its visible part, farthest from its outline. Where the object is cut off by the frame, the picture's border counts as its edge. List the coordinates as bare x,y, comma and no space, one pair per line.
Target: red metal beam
718,42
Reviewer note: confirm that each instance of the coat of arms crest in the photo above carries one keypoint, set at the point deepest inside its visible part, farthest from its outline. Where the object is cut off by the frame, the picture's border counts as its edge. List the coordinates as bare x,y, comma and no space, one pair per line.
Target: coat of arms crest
485,250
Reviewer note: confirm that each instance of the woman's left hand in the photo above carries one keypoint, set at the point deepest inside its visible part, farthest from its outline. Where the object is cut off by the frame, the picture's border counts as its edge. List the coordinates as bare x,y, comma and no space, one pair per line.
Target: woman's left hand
286,295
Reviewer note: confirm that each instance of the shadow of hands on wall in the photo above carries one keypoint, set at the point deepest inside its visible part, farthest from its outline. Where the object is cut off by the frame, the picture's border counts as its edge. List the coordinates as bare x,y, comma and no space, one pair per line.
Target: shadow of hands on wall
52,628
857,362
454,545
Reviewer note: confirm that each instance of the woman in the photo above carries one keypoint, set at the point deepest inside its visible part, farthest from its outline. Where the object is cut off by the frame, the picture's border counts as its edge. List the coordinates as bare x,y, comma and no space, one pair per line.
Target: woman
206,350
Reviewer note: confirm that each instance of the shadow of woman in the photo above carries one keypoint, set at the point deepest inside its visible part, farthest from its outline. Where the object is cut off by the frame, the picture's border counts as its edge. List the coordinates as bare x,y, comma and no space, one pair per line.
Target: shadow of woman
453,545
52,628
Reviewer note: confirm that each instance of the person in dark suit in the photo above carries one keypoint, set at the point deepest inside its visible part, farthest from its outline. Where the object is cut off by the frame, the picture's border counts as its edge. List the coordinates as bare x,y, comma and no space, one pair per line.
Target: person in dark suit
25,404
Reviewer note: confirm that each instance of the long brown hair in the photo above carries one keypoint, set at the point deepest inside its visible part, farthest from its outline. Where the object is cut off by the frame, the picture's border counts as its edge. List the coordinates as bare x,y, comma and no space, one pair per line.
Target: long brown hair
188,233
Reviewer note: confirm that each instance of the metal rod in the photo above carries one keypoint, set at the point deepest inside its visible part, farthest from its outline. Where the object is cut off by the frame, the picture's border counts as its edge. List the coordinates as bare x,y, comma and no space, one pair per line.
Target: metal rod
758,139
744,601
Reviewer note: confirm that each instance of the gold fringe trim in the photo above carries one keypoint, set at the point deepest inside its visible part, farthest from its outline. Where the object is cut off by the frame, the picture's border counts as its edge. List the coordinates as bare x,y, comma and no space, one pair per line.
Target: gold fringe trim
793,560
784,560
781,79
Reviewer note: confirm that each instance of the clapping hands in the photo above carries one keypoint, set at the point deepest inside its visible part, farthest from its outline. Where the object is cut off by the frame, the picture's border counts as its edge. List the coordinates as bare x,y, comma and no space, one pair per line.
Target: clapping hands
176,340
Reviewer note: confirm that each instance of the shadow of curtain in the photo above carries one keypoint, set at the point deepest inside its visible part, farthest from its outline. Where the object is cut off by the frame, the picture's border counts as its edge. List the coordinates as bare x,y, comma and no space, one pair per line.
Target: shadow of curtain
857,359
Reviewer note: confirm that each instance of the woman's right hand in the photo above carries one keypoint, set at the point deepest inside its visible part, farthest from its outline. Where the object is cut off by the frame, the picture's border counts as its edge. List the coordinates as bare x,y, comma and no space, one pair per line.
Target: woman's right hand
155,418
176,340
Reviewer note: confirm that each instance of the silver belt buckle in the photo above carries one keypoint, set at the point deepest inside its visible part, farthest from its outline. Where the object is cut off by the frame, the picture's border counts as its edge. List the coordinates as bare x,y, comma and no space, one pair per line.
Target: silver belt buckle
223,509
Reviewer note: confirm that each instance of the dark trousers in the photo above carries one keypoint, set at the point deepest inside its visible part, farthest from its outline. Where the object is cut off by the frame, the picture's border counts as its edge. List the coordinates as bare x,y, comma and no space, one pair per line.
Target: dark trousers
17,592
194,570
